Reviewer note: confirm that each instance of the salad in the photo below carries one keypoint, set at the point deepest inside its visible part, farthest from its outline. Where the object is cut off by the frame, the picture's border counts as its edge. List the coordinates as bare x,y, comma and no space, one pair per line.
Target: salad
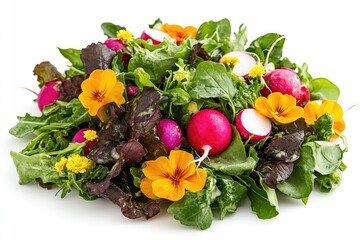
194,120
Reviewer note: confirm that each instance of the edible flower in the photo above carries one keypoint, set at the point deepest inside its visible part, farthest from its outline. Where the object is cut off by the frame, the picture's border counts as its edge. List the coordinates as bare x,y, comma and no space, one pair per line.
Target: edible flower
280,107
90,135
124,36
256,71
168,178
229,60
99,89
74,163
179,33
313,111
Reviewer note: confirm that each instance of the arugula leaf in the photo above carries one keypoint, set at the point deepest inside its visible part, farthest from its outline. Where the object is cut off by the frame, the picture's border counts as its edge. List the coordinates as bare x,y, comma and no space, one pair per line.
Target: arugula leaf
194,209
73,55
260,203
41,166
158,61
111,29
234,160
238,44
61,116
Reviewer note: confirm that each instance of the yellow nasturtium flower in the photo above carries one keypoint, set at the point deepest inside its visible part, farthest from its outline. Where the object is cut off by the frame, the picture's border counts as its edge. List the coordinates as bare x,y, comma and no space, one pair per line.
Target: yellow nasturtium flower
280,107
313,111
99,89
168,178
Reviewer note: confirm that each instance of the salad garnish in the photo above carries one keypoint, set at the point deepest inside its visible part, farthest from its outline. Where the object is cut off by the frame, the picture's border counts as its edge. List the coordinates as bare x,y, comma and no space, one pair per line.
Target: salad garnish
198,120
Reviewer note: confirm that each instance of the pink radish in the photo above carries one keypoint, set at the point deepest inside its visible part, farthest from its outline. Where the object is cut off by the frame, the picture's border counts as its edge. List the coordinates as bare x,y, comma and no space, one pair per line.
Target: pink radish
131,91
209,132
169,133
156,36
245,62
79,137
48,94
114,44
286,81
252,124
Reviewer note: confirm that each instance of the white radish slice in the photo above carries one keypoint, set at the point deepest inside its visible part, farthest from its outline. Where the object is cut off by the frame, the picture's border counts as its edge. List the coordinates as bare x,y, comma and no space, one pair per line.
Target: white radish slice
245,62
252,124
156,36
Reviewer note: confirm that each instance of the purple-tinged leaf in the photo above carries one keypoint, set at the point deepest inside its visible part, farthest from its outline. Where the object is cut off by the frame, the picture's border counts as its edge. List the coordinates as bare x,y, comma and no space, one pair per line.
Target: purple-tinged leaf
46,72
96,56
71,88
132,151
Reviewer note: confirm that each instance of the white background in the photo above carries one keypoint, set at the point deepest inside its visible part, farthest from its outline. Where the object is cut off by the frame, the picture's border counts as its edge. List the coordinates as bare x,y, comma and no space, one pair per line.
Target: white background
325,34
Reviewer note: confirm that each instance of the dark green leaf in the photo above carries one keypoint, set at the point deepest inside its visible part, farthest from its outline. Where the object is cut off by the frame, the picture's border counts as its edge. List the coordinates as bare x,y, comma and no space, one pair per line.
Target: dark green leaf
323,127
179,96
234,160
73,55
214,30
111,29
262,45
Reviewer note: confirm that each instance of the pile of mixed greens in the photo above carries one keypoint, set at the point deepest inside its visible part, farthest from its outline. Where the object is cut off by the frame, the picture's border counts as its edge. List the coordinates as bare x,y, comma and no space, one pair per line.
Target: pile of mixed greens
174,80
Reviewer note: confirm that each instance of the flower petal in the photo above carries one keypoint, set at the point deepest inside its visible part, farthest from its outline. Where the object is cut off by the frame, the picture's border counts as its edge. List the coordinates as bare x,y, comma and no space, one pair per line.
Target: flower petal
339,126
263,106
179,161
146,188
165,188
331,107
157,169
311,112
291,116
197,181
108,81
117,93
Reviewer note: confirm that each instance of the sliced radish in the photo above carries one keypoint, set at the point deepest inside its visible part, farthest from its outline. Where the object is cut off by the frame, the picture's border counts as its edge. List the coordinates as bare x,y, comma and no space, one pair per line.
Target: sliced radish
252,124
156,36
245,62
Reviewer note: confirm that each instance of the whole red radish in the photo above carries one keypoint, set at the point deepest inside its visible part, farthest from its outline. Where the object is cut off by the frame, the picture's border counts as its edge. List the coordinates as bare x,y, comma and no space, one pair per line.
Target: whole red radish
48,94
114,44
209,131
286,81
169,133
250,123
131,91
82,135
156,36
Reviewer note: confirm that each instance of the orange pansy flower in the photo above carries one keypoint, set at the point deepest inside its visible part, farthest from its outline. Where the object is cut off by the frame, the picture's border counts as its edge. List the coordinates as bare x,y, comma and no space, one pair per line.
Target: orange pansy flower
99,89
168,178
280,107
179,33
313,111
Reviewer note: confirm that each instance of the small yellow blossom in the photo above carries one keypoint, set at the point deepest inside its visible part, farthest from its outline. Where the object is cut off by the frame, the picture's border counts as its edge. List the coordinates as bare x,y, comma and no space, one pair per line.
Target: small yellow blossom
60,165
124,36
257,71
78,164
90,135
229,60
168,178
280,107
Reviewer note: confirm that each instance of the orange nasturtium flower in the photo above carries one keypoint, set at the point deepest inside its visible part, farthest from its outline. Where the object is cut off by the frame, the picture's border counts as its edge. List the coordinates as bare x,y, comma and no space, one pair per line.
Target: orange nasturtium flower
280,107
169,177
99,89
312,112
179,33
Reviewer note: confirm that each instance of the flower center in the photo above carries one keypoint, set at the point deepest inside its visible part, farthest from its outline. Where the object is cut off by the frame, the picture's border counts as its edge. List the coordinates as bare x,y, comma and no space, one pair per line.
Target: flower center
98,96
176,177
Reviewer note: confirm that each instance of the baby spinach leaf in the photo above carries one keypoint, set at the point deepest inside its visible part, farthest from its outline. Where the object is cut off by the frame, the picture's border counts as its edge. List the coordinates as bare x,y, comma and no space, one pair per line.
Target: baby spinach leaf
212,80
73,55
262,45
234,160
111,29
214,30
300,183
194,209
326,155
260,203
322,88
232,193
